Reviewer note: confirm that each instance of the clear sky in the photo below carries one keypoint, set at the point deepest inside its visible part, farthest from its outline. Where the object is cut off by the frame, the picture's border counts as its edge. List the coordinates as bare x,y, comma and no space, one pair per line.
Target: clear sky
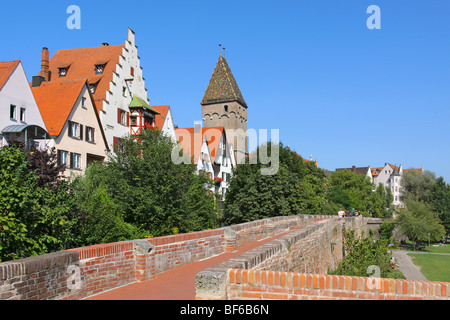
335,89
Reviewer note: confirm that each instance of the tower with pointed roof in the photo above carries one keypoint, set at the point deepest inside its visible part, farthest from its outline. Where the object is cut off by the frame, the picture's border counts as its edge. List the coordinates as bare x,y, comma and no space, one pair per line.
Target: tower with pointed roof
224,106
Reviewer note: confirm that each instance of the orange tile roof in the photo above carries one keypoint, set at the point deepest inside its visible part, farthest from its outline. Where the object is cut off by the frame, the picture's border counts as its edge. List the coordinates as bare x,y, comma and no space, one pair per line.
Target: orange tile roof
418,170
192,145
55,101
81,63
6,69
161,117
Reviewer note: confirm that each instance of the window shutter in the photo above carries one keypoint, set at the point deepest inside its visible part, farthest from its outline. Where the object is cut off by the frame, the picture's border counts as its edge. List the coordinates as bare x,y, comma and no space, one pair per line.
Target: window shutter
128,119
71,160
119,115
116,143
70,129
81,132
59,157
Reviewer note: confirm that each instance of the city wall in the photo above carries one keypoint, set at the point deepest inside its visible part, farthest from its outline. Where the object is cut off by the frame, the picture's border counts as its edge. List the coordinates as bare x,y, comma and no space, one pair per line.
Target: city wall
83,272
294,266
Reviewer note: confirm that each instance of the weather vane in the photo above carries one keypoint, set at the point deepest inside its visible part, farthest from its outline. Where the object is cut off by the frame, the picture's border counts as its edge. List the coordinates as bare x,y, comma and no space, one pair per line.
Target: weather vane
220,50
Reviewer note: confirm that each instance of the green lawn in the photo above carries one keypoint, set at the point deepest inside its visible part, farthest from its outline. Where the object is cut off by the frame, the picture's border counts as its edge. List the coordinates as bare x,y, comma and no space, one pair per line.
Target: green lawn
434,267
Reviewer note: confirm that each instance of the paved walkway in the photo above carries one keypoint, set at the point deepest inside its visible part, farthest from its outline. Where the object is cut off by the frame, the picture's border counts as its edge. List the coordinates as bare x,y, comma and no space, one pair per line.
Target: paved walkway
176,284
407,266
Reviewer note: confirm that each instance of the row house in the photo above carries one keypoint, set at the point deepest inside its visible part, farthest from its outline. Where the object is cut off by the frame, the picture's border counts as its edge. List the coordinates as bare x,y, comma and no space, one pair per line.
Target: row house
391,176
21,121
115,80
73,123
212,154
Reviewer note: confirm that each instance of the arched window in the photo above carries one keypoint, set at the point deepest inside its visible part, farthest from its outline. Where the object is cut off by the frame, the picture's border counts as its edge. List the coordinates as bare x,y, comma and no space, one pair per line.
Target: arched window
226,108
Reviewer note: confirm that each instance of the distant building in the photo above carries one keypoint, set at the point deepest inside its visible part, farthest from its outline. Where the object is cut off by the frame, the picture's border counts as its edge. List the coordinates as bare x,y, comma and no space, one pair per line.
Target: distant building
391,176
211,152
359,170
164,122
21,120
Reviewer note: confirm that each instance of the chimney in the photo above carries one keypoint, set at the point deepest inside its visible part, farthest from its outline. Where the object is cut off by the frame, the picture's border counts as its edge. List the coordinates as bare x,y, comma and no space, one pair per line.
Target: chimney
45,65
37,81
105,44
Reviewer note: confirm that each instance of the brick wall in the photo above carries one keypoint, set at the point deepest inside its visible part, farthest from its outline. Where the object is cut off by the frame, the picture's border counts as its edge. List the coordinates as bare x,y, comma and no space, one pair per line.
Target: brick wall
314,244
79,273
277,285
311,245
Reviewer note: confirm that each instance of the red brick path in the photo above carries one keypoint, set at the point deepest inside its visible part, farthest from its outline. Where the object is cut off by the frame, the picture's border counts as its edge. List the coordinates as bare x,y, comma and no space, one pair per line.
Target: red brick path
176,284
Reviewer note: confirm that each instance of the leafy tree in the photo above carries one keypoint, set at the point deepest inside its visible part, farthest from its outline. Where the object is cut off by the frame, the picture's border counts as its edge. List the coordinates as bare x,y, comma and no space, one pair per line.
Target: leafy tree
149,192
296,188
419,222
440,199
355,191
418,185
362,252
34,219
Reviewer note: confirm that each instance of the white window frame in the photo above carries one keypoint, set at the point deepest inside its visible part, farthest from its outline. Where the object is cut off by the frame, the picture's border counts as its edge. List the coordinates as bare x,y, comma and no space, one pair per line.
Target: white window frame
76,161
90,134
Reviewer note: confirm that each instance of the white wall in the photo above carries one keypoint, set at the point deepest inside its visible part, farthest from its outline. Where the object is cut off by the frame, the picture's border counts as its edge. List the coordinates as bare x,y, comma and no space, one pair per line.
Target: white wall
17,91
116,99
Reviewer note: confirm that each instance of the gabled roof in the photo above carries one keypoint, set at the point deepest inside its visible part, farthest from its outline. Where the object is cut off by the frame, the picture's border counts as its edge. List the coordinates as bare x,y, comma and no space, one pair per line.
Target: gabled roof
81,63
160,118
222,86
56,101
357,170
193,145
141,103
6,69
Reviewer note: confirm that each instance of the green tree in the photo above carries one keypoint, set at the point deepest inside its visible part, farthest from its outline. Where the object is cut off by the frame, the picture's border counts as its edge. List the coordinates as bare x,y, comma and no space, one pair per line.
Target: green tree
355,191
296,188
420,223
360,253
440,199
34,218
417,185
149,192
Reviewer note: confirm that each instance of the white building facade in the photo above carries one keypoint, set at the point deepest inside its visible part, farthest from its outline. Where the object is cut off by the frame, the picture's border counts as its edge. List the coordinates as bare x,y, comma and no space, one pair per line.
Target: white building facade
20,118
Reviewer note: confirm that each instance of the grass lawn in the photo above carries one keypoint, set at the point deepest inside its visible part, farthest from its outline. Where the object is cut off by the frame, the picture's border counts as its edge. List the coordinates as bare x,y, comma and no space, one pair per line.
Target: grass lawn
434,267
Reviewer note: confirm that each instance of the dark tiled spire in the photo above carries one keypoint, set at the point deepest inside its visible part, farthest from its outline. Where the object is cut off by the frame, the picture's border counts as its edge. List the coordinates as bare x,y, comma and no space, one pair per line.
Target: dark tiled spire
222,86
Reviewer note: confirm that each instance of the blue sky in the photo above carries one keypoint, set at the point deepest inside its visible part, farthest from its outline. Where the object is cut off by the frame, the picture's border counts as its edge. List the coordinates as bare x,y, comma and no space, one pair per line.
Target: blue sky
337,91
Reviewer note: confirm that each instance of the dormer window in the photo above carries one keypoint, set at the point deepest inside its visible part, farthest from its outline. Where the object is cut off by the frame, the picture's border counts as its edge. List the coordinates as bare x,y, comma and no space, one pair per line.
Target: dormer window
99,68
63,72
93,87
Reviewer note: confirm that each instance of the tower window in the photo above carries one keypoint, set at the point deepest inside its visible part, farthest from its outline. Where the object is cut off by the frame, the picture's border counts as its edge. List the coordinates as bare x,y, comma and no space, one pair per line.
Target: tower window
226,108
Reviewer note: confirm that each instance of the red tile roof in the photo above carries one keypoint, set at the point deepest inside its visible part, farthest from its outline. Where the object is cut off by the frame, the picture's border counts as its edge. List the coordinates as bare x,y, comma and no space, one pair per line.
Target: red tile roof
161,117
55,101
192,144
81,63
6,69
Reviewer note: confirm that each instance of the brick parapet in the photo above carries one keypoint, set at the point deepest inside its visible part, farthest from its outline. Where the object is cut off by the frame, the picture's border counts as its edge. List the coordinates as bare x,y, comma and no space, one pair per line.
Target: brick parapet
277,285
